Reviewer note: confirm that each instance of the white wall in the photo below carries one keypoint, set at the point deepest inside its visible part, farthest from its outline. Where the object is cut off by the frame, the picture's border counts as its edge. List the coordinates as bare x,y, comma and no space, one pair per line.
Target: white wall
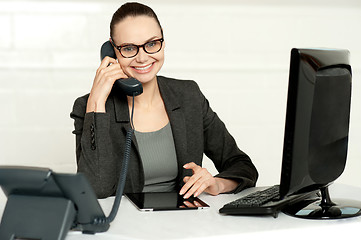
238,52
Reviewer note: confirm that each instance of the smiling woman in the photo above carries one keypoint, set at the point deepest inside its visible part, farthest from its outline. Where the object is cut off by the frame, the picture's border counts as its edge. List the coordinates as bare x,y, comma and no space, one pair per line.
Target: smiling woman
135,60
174,123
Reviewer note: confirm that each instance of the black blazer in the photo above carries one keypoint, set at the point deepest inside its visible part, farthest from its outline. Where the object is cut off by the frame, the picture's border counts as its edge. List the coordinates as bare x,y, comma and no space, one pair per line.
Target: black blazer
196,129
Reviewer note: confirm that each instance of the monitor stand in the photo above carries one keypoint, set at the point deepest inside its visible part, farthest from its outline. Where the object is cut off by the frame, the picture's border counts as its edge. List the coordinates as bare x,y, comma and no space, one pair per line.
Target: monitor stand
324,208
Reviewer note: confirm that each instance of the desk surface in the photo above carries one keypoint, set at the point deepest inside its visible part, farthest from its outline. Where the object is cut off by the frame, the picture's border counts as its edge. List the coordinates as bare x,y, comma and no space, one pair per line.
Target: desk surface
209,224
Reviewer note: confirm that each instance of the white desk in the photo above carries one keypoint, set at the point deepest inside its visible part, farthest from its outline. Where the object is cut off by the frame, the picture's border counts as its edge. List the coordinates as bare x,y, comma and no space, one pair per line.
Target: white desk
209,224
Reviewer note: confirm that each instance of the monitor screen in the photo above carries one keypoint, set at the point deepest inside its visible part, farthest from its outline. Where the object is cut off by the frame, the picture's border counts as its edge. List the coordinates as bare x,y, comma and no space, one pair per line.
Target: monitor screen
317,119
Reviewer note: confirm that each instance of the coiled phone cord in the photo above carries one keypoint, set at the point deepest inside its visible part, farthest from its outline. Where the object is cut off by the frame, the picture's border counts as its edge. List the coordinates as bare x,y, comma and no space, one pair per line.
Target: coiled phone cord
122,176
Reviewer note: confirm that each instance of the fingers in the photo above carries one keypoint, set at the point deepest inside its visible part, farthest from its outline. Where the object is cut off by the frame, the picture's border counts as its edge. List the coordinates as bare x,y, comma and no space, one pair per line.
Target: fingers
192,166
106,62
189,181
107,73
107,76
185,179
188,204
198,182
193,204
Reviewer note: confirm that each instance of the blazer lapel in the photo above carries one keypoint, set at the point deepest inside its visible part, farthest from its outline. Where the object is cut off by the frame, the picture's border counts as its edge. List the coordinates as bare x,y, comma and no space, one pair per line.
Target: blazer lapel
121,108
135,175
177,121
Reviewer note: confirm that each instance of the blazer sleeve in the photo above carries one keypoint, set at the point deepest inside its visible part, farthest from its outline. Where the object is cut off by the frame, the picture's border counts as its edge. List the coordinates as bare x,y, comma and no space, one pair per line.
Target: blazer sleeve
221,148
94,148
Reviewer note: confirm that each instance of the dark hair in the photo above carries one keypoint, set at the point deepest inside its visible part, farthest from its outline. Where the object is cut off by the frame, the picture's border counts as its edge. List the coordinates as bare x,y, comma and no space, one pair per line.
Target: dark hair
132,9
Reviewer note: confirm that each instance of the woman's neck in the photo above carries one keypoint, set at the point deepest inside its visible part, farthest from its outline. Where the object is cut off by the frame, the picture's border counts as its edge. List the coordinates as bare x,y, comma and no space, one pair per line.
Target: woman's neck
150,113
149,96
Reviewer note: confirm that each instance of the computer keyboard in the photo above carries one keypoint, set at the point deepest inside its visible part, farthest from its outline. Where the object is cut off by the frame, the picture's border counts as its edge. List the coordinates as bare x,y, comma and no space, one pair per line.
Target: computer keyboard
257,198
262,202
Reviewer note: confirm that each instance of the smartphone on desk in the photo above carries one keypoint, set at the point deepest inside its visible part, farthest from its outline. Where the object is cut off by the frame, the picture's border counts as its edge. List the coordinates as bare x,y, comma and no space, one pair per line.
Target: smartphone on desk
163,201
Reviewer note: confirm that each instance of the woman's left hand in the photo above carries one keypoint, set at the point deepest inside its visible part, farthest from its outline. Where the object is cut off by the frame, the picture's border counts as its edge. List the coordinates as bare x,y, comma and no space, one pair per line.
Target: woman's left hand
200,181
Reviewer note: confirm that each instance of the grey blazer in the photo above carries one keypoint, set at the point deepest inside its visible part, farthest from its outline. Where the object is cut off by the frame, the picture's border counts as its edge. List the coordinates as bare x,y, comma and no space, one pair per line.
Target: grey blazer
196,129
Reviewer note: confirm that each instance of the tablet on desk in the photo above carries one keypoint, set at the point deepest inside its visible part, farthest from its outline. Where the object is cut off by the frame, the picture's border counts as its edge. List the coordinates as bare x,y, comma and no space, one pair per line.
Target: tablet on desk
162,201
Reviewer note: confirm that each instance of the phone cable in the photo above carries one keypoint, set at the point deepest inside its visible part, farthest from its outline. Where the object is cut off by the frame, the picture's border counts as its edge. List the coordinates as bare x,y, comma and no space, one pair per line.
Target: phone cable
122,177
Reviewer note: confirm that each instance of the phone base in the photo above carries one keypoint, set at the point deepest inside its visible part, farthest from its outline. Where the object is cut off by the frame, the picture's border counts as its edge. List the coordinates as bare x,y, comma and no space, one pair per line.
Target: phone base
35,217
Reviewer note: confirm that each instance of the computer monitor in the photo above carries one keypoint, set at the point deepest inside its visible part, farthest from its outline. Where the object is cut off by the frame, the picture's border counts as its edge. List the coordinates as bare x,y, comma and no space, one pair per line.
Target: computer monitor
316,131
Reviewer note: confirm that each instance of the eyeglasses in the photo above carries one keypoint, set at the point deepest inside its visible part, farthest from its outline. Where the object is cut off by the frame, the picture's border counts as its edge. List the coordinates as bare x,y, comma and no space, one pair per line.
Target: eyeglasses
131,50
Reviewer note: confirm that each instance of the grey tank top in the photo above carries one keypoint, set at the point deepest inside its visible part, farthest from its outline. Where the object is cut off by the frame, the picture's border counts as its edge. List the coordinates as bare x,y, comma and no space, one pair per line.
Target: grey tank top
159,159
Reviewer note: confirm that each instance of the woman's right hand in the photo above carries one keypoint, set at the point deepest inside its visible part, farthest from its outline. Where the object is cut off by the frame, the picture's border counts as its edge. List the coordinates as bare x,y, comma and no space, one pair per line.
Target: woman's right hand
108,72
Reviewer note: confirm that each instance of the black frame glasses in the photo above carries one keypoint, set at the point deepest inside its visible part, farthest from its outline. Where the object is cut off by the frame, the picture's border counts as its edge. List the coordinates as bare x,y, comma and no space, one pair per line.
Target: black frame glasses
131,50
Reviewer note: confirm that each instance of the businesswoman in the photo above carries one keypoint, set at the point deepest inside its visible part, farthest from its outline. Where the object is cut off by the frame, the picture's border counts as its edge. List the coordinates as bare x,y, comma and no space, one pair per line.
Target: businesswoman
174,124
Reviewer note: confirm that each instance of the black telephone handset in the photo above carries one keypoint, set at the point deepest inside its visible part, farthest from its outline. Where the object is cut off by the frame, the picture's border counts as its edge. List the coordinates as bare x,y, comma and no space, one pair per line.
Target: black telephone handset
129,86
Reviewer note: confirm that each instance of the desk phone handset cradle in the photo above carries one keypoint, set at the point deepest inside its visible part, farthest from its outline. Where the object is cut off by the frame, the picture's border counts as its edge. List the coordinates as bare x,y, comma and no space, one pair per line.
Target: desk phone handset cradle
45,205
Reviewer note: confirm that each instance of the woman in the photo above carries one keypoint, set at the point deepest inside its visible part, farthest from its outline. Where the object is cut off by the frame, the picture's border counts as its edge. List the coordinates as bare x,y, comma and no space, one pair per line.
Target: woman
173,121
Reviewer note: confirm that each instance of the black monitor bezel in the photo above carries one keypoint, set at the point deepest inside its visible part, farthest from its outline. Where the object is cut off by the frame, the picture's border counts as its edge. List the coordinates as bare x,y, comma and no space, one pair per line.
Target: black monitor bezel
326,58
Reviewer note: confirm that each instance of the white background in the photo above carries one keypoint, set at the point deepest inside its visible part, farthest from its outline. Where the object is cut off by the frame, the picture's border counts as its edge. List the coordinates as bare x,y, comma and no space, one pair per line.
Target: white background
238,51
